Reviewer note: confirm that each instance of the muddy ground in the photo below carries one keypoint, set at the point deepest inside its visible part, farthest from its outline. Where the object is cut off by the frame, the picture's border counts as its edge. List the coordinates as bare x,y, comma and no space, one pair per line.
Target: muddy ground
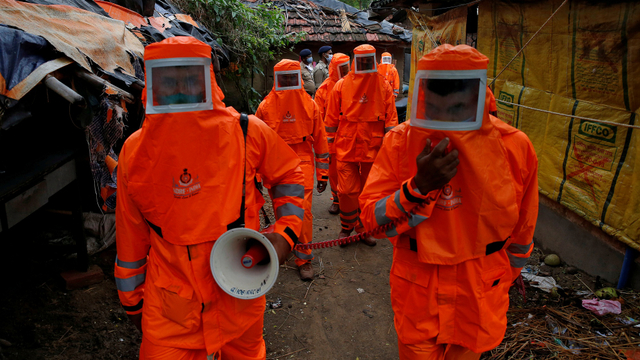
344,313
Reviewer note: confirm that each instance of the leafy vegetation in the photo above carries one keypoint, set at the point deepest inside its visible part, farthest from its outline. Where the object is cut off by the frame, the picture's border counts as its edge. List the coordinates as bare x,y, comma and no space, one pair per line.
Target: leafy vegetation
253,36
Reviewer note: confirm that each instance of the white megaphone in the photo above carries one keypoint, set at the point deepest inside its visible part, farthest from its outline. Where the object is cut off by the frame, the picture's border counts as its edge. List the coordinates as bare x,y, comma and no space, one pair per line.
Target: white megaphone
244,263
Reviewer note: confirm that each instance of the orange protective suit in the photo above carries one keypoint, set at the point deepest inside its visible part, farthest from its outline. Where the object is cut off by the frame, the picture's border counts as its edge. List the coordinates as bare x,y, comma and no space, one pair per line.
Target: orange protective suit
180,183
456,257
322,94
390,73
360,110
296,118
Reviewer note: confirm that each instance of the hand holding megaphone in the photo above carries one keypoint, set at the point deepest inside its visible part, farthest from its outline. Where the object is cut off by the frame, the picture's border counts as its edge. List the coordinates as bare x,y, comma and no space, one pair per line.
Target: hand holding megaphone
243,261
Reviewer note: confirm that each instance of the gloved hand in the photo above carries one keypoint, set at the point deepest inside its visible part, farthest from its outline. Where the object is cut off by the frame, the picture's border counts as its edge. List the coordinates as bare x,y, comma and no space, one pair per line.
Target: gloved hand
322,185
280,244
435,168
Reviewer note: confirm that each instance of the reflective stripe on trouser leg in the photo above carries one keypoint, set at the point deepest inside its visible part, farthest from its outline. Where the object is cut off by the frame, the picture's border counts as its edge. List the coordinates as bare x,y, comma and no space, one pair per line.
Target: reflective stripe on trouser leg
333,179
349,188
306,235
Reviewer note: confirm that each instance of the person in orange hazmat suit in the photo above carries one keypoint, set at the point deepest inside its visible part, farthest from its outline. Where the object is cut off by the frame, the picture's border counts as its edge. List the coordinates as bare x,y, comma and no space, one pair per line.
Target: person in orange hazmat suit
185,178
389,71
360,110
338,68
460,214
291,113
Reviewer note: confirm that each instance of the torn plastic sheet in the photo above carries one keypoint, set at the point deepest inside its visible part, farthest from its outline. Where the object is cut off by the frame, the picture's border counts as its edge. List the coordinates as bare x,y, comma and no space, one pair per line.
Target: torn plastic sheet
602,307
544,283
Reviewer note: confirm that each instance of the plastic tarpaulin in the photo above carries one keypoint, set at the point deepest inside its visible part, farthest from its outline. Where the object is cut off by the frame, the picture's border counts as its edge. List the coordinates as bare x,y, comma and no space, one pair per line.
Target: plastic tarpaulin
25,59
431,31
581,64
81,35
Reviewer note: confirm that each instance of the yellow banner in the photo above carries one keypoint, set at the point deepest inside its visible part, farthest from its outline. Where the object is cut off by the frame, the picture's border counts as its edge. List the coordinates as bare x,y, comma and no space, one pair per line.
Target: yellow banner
579,64
431,31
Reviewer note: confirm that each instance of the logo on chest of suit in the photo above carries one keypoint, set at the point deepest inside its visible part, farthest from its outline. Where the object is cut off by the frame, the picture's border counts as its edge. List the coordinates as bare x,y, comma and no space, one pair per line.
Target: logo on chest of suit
364,99
449,199
186,186
288,118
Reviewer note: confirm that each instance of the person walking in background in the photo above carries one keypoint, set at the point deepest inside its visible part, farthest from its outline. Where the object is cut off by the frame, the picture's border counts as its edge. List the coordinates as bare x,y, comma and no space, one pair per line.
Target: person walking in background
306,65
321,71
297,119
338,68
360,111
389,71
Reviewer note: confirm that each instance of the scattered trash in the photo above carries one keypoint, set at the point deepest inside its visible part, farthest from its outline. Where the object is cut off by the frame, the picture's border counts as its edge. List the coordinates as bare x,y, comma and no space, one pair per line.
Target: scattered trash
552,260
320,276
274,304
602,307
544,283
553,325
360,290
583,293
607,293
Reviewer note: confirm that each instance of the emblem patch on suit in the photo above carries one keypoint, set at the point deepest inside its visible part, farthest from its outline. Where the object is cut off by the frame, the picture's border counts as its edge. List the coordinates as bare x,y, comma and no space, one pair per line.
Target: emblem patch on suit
288,118
450,199
186,186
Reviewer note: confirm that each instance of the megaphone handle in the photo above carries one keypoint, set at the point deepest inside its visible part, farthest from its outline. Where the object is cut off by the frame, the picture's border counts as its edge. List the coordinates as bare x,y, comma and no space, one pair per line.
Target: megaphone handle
254,255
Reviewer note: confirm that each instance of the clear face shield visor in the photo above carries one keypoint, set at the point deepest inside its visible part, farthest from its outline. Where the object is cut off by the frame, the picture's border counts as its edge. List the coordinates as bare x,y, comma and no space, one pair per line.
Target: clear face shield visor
449,100
288,80
386,59
178,85
365,63
343,69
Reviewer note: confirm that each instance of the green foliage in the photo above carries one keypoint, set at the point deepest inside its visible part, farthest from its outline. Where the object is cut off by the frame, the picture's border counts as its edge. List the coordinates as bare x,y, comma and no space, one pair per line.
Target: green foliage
253,37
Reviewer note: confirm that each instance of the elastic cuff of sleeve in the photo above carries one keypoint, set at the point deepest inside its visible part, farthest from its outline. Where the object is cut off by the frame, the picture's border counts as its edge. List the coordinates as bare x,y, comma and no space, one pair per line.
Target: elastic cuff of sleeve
413,190
288,235
134,312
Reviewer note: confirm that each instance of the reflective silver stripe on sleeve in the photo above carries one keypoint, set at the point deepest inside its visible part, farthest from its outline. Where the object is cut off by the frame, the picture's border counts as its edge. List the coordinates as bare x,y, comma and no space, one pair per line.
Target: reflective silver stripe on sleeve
381,211
281,190
130,283
322,156
519,249
391,232
416,219
323,166
398,204
330,140
388,128
331,129
517,262
131,264
289,209
302,256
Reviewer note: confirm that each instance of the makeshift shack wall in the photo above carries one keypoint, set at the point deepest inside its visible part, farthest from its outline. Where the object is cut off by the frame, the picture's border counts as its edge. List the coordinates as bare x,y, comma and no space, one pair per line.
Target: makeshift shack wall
584,62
